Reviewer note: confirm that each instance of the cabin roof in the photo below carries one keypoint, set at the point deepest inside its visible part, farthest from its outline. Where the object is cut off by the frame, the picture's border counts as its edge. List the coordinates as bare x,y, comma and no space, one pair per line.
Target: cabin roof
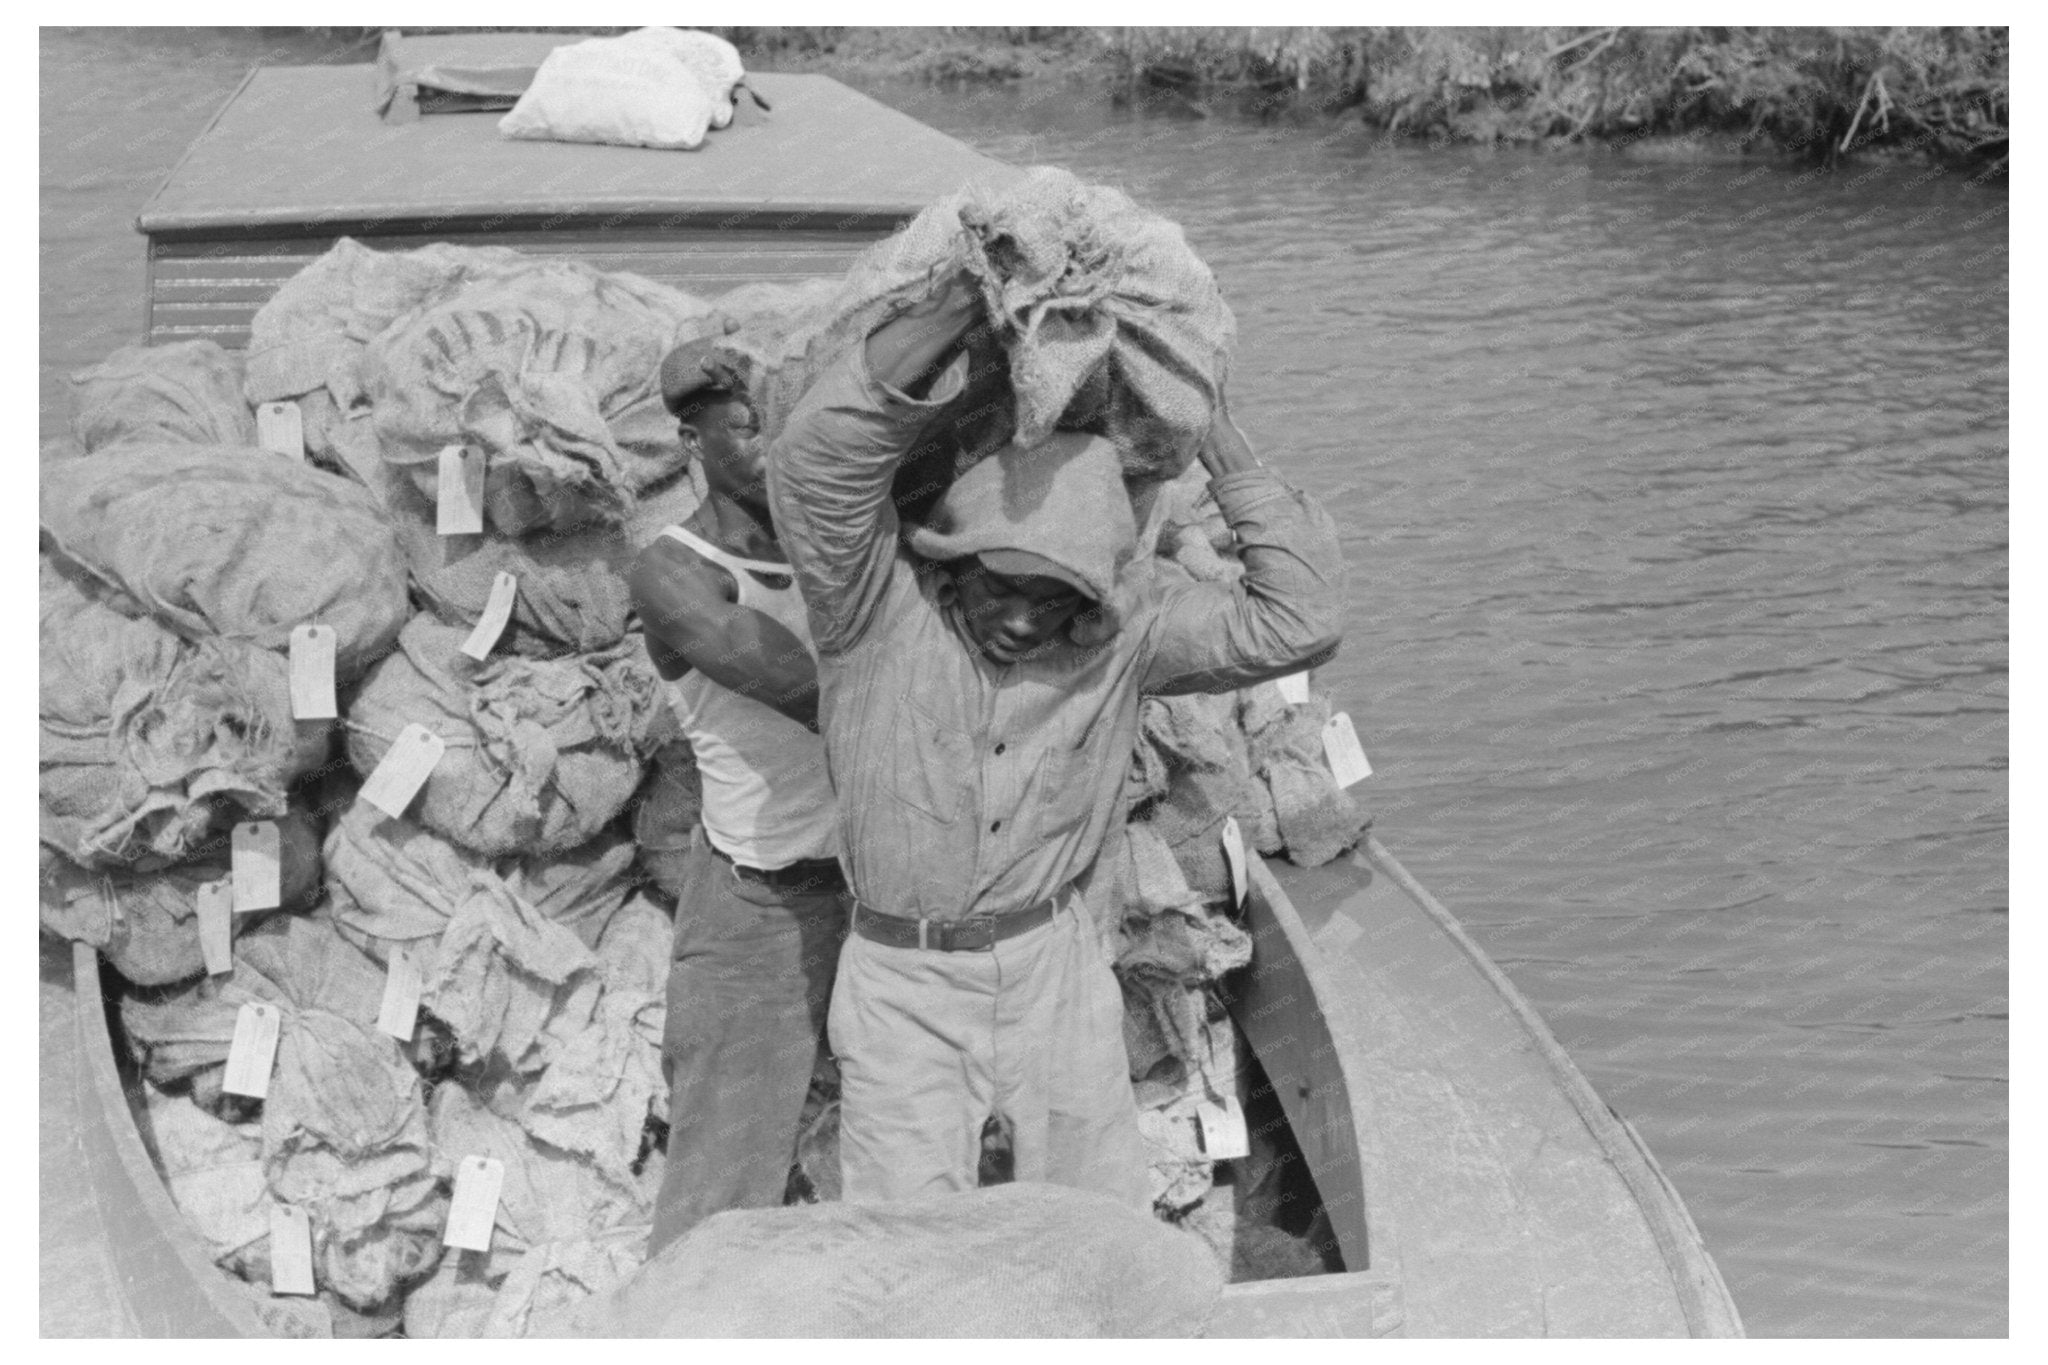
304,145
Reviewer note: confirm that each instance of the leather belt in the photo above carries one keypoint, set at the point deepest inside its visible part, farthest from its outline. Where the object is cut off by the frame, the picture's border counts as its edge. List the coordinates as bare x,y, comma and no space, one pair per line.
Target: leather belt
809,874
971,934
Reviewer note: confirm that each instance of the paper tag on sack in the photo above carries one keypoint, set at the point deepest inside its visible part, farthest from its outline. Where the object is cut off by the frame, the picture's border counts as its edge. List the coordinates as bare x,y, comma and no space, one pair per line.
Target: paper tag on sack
291,1250
312,673
407,765
497,611
473,1212
1233,855
280,428
216,935
400,1009
1293,688
252,1051
252,850
1223,1130
459,496
1341,747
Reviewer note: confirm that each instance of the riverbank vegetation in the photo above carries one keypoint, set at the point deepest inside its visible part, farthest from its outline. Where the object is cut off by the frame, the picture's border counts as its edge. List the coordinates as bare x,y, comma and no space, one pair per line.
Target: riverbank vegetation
1820,93
1824,93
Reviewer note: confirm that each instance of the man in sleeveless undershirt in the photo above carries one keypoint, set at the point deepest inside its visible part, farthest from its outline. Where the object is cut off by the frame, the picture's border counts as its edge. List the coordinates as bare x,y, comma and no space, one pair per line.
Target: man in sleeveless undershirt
761,908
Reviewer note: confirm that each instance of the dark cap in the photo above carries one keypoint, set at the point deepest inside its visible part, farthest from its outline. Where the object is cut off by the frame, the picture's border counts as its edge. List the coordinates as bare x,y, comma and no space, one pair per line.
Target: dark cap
687,370
1024,564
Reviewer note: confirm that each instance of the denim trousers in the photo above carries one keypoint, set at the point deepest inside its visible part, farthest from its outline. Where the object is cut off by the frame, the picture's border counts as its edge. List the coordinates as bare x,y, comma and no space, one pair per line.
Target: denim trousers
748,987
931,1043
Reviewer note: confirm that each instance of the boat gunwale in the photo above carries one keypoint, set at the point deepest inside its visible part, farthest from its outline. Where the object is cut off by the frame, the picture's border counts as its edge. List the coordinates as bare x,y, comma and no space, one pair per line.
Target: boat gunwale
103,1100
1702,1294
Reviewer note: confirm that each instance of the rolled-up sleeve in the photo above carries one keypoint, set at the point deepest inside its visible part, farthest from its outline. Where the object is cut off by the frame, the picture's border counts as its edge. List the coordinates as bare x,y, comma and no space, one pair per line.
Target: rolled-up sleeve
1281,616
829,483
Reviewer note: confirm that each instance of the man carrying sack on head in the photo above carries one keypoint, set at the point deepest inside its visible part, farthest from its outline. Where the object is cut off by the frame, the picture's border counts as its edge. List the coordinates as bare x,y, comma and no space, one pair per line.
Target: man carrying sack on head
979,701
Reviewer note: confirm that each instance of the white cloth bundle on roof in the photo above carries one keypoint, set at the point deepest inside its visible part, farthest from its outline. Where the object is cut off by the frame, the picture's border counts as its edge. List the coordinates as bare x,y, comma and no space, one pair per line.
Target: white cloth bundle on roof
549,367
541,755
182,392
226,541
647,88
714,61
146,924
153,744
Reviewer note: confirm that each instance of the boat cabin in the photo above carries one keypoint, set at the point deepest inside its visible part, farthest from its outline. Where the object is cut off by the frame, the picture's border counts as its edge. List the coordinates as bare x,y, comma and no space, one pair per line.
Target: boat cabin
302,155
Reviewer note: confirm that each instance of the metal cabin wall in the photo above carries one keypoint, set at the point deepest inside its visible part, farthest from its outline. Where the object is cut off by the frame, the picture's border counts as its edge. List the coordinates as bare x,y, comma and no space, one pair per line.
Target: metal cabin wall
211,289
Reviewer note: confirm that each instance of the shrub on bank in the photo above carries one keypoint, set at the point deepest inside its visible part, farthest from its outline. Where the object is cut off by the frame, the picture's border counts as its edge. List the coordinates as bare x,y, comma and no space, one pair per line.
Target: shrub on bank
1825,92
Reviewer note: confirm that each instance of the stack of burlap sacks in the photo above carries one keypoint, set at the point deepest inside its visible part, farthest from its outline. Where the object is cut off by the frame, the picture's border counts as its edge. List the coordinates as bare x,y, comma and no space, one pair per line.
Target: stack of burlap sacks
179,556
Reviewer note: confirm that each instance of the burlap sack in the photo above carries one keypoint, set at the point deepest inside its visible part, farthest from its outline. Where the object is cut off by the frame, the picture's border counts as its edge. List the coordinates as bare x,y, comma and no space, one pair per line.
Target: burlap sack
146,924
231,542
311,333
549,1195
552,369
530,1298
1017,1260
541,755
153,745
297,962
510,984
185,392
1107,321
343,1132
405,882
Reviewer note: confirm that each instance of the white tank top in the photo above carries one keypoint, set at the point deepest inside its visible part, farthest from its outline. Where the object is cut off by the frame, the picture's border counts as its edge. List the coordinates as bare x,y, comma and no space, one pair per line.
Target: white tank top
767,802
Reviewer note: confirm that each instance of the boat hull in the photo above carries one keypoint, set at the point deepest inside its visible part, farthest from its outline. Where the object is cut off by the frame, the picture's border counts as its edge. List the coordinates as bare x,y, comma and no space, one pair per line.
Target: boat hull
1475,1183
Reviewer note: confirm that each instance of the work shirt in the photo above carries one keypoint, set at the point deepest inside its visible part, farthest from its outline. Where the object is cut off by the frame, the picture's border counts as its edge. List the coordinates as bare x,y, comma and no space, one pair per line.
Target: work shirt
969,787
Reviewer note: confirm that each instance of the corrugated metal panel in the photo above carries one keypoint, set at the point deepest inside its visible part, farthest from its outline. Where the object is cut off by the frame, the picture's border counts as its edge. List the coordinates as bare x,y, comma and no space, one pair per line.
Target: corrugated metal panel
212,290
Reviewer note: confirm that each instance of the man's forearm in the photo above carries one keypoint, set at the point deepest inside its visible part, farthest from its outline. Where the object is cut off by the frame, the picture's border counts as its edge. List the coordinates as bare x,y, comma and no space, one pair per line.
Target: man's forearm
829,480
1283,614
905,352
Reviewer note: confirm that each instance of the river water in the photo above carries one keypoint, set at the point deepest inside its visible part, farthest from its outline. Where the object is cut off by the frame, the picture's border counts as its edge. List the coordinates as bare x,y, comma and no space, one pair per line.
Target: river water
1673,492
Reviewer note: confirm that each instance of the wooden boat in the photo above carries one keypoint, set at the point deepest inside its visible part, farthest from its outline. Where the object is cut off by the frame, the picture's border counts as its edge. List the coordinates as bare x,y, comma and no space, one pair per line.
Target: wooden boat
1474,1182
